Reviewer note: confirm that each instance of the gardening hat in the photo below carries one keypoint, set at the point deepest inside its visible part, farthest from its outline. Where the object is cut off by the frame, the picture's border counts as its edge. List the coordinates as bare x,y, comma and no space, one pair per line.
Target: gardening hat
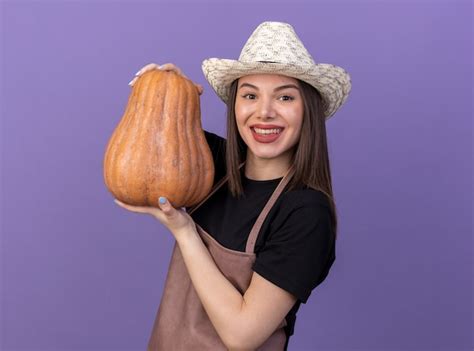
275,48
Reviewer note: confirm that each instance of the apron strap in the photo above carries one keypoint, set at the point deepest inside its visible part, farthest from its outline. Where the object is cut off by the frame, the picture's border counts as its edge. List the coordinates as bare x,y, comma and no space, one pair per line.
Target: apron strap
252,239
213,190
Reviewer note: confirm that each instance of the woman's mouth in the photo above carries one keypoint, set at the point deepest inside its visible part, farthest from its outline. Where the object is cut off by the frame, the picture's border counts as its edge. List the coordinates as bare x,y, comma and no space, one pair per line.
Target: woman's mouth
266,135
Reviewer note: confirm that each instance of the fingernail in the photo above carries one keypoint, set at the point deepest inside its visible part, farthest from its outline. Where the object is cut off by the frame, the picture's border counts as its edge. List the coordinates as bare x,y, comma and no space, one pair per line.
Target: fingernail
160,67
162,200
130,83
138,72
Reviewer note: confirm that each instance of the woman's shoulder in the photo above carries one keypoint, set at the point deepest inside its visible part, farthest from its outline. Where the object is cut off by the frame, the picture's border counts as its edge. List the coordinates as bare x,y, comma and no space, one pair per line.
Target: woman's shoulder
304,197
217,145
214,139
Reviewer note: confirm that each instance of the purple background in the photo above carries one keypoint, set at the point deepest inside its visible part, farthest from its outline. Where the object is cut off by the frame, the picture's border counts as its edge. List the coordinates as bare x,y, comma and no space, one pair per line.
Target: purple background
80,273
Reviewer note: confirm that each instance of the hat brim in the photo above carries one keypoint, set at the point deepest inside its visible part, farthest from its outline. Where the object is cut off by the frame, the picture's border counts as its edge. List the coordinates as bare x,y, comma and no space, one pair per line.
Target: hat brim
333,82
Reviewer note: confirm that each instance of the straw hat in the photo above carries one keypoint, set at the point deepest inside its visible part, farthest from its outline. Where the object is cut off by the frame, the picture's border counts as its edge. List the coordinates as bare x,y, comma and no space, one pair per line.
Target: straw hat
275,48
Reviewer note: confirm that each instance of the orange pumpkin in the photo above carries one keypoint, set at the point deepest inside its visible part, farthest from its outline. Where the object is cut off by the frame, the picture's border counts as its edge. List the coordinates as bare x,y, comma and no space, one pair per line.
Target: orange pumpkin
159,147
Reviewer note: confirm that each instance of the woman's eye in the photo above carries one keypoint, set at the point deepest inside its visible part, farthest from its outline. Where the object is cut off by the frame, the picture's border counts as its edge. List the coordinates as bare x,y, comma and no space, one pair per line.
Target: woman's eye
253,97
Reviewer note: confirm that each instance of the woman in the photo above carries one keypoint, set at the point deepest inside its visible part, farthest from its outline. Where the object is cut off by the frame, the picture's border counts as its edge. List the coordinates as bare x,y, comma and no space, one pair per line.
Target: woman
252,251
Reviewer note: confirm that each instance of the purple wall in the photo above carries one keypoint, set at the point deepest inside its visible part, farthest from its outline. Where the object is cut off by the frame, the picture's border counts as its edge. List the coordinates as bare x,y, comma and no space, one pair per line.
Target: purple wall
80,273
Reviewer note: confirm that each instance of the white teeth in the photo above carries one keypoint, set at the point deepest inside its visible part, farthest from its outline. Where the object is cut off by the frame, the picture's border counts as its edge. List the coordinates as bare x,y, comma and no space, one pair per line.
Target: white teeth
267,131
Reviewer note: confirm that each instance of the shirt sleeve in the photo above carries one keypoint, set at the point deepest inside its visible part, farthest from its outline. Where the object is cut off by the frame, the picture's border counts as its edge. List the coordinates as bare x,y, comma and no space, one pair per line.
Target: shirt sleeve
217,145
297,256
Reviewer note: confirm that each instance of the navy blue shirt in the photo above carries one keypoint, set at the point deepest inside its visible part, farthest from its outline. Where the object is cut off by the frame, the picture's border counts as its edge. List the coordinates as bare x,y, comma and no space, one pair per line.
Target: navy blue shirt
295,247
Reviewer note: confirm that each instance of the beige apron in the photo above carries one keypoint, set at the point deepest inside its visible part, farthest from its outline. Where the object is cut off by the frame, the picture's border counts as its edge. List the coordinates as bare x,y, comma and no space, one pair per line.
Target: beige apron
181,323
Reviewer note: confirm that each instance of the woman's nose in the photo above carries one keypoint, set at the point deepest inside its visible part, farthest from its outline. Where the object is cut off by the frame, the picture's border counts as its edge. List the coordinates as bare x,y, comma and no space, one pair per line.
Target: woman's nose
266,109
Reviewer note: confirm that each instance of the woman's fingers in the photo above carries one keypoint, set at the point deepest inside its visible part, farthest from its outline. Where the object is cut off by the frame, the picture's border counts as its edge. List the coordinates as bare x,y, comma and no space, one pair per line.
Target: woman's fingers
142,70
140,209
146,68
199,88
176,220
172,67
133,81
165,67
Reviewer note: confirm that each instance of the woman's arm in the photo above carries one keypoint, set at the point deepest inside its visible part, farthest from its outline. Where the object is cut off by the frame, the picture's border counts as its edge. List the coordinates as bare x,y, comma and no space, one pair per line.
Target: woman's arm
242,322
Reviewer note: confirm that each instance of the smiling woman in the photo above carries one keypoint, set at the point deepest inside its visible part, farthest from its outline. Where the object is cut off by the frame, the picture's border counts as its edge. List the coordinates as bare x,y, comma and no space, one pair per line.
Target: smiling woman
263,239
269,115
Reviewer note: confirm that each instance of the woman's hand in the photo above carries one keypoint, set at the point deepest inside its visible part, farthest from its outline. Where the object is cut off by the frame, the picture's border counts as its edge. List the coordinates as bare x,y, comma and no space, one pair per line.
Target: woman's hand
177,221
164,67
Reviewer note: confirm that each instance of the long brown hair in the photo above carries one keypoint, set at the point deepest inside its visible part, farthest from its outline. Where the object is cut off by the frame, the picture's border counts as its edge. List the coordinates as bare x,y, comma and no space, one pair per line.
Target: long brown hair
311,149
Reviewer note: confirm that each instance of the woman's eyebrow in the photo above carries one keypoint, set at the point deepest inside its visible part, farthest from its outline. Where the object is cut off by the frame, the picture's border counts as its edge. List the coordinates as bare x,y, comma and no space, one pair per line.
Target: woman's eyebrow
276,89
286,86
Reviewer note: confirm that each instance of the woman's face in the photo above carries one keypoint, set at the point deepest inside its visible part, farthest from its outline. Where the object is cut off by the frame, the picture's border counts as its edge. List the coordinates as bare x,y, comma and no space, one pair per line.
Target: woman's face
269,115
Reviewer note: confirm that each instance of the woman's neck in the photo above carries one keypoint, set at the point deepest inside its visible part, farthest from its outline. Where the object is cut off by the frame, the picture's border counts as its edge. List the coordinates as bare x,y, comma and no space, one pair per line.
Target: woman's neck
265,169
